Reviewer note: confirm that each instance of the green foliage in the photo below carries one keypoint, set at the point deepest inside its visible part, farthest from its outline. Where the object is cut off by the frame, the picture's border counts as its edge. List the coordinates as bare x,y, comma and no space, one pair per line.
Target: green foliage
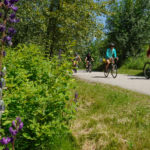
128,26
38,91
137,62
57,23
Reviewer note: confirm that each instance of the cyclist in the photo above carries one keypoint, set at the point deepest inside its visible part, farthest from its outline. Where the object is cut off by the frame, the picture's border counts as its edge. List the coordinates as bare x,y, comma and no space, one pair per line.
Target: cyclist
88,59
148,52
110,53
76,59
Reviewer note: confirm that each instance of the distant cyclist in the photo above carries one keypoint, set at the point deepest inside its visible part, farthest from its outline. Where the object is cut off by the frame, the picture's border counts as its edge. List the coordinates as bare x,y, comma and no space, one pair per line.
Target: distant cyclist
76,59
148,52
88,59
110,54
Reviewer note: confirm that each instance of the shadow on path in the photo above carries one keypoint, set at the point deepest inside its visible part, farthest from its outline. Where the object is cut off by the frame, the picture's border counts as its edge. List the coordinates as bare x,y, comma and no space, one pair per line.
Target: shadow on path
137,78
99,77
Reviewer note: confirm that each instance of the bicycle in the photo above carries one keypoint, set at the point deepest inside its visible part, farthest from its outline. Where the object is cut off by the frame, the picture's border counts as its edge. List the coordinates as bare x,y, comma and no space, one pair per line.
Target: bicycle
146,70
75,66
89,67
113,68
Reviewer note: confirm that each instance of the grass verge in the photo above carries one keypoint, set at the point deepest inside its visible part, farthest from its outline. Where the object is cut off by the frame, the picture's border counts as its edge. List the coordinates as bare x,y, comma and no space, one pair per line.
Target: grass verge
65,142
111,118
130,71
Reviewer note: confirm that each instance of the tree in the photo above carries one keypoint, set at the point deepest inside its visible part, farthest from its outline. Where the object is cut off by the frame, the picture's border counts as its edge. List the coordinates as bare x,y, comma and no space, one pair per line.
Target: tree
128,26
55,24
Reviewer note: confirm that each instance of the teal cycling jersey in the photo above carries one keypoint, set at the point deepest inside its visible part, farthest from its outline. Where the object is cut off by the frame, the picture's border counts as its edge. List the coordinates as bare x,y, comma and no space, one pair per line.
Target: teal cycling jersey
111,53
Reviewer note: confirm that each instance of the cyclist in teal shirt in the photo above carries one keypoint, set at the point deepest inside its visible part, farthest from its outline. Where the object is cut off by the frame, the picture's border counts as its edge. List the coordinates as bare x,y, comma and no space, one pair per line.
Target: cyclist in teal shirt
110,53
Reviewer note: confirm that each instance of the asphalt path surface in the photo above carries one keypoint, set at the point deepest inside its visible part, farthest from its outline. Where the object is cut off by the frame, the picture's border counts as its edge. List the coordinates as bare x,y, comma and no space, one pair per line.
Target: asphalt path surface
135,83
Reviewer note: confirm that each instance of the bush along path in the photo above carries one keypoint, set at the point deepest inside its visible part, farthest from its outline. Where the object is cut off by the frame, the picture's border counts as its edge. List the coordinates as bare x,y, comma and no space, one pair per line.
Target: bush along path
39,91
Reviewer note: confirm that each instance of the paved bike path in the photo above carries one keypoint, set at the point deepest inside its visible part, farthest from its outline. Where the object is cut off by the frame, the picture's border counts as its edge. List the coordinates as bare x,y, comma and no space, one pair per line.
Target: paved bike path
134,83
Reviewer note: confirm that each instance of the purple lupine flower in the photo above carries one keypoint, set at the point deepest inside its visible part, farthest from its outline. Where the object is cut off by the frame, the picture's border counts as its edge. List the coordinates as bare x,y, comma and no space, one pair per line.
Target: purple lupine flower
18,120
5,141
10,43
14,20
14,124
14,8
11,31
21,126
7,38
0,14
4,53
12,16
76,95
13,1
6,2
2,28
12,131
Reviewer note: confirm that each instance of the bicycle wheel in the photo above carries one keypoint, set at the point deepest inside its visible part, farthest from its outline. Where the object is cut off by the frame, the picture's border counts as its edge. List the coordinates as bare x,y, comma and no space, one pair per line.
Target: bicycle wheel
114,70
146,70
90,67
106,73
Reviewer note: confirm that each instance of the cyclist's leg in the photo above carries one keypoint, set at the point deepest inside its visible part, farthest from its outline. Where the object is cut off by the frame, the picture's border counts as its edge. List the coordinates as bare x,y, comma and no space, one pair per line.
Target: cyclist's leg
87,64
107,64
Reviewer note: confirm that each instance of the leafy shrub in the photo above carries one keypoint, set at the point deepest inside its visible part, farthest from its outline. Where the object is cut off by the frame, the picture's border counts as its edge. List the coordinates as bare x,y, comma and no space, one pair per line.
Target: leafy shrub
136,62
38,91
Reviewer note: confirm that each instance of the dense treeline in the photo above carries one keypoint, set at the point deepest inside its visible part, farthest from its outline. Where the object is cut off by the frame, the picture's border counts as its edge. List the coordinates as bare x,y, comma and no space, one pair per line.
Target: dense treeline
128,26
56,24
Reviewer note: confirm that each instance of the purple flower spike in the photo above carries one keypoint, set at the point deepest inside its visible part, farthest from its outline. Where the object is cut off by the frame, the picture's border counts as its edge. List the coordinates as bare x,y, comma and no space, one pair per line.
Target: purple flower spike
76,95
6,2
12,131
18,120
2,28
10,43
7,38
12,31
14,8
14,124
21,126
4,53
0,14
5,141
14,20
12,1
12,16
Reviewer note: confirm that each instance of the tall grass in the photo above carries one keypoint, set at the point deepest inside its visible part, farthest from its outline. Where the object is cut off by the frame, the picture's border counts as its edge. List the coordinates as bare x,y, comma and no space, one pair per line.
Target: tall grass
111,118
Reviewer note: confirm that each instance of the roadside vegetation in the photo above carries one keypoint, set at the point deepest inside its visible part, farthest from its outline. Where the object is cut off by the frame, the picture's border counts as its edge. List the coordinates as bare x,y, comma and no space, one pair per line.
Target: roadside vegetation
111,118
38,90
36,82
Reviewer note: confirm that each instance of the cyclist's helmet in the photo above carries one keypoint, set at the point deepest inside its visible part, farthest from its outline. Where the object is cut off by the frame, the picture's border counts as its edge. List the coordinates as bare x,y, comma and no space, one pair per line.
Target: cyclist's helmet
112,45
